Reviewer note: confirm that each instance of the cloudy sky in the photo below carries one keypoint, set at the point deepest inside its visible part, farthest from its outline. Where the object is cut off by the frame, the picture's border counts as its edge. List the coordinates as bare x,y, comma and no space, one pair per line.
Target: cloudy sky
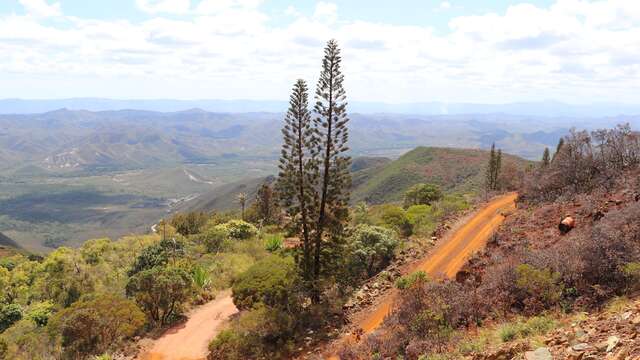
394,51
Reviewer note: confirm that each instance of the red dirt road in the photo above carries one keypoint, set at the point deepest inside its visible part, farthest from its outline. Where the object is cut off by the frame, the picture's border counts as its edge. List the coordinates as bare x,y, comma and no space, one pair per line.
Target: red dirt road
448,257
189,341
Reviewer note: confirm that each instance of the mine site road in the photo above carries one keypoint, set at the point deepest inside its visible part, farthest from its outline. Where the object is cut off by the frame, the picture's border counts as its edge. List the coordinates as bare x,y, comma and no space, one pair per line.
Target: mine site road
188,341
446,259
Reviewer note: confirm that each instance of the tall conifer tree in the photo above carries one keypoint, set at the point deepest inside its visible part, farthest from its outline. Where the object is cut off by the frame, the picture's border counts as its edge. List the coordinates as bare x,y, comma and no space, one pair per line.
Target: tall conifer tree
331,126
491,168
298,177
546,157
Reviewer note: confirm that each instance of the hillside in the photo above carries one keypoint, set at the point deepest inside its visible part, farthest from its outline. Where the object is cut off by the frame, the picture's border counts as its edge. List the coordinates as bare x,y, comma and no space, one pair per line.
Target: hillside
378,180
451,169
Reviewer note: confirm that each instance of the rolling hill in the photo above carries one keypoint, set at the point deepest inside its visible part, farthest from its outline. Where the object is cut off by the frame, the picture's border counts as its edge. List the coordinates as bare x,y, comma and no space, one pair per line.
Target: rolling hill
378,180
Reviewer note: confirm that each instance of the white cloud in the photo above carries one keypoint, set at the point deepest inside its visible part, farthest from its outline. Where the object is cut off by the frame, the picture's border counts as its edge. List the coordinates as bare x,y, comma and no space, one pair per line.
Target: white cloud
573,50
326,11
220,6
164,6
41,8
445,5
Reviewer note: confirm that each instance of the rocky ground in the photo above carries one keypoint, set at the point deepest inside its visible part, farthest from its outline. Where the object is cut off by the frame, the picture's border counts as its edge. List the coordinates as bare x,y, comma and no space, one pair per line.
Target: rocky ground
608,334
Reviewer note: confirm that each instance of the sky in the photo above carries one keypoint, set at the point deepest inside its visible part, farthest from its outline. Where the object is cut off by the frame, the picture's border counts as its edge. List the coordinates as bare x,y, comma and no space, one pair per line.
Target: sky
401,51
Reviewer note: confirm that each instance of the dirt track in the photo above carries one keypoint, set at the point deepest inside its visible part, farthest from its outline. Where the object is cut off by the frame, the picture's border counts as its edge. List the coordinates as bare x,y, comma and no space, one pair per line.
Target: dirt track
449,256
189,341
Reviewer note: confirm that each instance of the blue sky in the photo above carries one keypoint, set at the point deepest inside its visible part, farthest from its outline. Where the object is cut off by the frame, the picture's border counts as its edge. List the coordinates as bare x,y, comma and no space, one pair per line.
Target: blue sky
394,51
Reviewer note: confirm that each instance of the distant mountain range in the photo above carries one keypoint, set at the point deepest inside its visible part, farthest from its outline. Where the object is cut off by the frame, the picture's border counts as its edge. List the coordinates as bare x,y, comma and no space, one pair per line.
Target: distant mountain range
544,108
81,140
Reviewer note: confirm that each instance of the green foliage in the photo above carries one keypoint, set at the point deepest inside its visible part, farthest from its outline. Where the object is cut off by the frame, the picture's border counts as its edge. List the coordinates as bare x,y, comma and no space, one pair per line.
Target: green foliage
160,292
189,223
212,237
542,285
407,281
632,272
261,332
272,281
39,313
93,326
422,194
361,214
534,326
201,277
157,255
63,277
9,314
273,242
396,218
370,249
237,229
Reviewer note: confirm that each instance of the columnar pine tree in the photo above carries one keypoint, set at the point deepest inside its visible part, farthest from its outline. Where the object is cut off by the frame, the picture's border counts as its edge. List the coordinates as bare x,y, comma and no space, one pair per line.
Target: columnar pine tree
491,168
546,157
496,171
558,148
298,177
242,201
331,126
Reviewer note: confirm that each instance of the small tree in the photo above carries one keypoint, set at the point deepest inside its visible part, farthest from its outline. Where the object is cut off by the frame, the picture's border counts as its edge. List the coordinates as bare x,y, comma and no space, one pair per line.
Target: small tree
266,205
422,194
558,148
370,248
91,327
160,292
546,158
241,198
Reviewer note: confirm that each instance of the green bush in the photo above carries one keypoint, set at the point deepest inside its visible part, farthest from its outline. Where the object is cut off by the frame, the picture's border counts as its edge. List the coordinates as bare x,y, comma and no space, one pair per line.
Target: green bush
39,313
238,229
534,326
212,237
92,327
407,281
160,292
9,314
422,194
260,333
395,218
273,281
157,255
370,249
508,332
543,287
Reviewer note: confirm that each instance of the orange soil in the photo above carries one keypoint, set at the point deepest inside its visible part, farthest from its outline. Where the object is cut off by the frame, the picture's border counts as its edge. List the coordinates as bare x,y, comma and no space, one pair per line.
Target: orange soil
189,341
450,255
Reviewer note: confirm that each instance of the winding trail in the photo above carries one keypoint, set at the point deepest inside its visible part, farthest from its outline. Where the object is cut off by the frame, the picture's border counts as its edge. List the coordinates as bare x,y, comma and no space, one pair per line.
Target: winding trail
190,340
447,258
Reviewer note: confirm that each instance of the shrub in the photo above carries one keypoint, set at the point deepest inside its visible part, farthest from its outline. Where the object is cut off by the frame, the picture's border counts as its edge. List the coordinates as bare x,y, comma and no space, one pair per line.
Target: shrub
273,281
212,237
157,255
91,327
189,223
543,287
407,281
160,292
396,218
261,332
40,313
9,314
273,242
238,229
370,249
422,194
